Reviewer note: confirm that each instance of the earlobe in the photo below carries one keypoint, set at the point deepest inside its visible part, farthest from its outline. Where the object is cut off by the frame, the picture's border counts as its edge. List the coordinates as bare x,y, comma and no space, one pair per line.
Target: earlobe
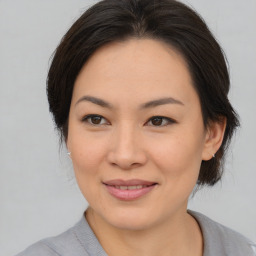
68,150
213,139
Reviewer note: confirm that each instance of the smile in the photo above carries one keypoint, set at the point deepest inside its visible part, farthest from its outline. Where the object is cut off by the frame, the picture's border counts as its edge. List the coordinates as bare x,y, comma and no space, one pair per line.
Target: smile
130,187
129,190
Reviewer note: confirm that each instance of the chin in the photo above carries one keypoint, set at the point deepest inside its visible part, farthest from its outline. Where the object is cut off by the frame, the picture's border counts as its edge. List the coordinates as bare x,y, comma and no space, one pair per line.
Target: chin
130,219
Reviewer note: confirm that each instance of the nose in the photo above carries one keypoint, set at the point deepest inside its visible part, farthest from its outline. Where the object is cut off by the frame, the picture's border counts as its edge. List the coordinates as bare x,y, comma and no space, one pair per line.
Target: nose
126,149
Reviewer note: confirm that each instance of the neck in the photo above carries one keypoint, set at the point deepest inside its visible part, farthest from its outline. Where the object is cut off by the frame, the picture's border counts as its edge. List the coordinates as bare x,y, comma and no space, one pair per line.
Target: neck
178,236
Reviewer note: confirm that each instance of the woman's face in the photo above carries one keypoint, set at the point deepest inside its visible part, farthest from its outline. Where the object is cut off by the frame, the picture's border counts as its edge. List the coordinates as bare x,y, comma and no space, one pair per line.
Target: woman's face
136,133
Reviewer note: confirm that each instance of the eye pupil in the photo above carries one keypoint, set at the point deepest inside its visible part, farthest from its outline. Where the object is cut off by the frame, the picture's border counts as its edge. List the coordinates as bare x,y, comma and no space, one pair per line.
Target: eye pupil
96,119
157,121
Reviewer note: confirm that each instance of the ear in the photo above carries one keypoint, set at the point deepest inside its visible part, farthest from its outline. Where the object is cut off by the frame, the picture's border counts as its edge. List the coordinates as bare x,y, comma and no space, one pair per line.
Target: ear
213,138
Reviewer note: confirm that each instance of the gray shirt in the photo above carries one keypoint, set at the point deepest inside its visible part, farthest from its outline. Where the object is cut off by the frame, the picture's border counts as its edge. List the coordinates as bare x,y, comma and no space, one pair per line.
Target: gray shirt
81,241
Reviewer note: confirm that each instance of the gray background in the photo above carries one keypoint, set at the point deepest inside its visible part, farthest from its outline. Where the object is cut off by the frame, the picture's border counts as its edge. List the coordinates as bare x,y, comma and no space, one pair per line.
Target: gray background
38,194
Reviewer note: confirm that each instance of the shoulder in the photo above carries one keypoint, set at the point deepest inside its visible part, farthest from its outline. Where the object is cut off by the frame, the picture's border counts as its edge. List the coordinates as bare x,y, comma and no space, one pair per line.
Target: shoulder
39,249
221,240
78,240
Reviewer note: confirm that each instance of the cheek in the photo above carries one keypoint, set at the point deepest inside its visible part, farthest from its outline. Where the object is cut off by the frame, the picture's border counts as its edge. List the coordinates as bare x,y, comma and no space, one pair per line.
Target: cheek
87,155
87,152
178,156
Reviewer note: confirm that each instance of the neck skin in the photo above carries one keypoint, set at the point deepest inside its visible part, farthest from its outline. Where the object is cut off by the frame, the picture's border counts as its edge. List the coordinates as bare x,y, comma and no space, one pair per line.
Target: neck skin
179,237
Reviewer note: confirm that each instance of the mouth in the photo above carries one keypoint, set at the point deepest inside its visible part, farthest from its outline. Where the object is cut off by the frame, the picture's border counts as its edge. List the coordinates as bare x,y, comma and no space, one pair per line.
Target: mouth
129,189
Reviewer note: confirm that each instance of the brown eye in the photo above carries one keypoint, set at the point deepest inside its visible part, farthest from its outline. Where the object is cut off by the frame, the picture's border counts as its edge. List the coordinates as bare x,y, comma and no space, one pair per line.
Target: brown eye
160,121
157,121
95,120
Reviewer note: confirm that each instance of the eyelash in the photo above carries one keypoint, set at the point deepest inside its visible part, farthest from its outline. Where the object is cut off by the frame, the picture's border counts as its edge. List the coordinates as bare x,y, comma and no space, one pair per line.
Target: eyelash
168,120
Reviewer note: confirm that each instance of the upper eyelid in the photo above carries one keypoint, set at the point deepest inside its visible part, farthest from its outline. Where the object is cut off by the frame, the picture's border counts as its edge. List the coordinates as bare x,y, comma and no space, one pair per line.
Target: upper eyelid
92,115
164,117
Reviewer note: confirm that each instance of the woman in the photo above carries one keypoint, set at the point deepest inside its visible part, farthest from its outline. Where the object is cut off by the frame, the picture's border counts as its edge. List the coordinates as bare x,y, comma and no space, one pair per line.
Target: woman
138,90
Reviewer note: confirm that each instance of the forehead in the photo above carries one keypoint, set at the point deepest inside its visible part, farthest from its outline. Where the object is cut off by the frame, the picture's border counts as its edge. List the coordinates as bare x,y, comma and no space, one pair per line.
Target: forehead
136,68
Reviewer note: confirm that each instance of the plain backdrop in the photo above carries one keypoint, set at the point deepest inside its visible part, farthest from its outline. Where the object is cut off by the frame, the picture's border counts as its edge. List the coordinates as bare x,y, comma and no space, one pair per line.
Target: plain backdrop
38,194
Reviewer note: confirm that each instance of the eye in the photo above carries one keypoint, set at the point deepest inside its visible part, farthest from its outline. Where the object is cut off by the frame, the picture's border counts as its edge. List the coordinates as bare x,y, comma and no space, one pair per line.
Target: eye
160,121
95,119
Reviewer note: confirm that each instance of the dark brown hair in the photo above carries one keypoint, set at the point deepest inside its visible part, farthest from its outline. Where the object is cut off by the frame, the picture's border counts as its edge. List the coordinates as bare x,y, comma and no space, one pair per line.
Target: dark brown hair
167,20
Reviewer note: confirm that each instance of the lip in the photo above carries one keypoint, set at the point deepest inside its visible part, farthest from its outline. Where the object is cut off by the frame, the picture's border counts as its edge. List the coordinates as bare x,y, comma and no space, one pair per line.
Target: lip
133,182
131,192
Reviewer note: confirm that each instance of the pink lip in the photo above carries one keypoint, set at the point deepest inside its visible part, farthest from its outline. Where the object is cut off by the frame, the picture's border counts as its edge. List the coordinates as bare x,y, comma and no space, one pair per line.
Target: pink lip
128,182
126,194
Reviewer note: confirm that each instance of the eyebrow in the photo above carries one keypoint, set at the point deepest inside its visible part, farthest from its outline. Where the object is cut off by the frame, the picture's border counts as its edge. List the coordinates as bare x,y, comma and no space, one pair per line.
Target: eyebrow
162,101
150,104
96,101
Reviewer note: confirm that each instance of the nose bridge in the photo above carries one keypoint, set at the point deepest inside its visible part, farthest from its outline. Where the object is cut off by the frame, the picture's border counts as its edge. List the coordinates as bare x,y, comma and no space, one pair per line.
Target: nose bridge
127,147
126,134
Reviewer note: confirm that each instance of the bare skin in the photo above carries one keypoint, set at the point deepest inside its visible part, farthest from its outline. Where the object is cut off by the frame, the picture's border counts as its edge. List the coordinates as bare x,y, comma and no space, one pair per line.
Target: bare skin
187,241
147,125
